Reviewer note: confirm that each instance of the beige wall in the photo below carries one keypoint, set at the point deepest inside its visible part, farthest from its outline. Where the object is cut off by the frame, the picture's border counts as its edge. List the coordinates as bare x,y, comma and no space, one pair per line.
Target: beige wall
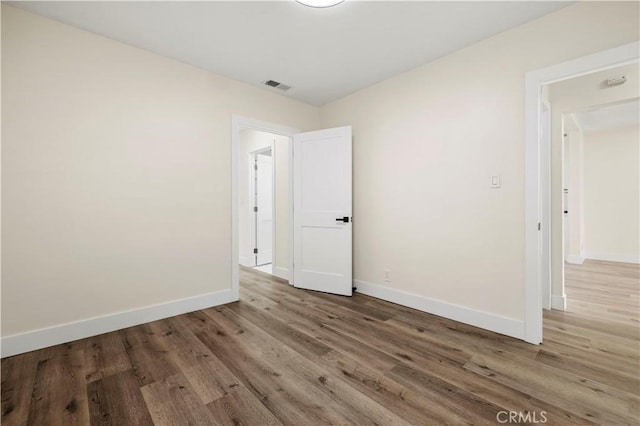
426,143
566,97
115,173
612,194
250,141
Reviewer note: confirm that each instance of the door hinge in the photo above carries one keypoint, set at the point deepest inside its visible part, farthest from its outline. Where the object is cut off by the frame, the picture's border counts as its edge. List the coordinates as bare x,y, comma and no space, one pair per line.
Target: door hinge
538,226
255,166
255,251
255,208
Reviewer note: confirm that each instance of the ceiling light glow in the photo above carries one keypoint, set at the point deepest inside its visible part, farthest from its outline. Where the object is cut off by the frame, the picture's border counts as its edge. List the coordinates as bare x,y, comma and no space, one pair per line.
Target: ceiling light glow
320,3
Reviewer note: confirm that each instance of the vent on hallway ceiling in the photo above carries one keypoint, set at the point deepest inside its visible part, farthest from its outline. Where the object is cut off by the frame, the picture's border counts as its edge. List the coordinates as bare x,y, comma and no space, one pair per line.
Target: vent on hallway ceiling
276,85
616,81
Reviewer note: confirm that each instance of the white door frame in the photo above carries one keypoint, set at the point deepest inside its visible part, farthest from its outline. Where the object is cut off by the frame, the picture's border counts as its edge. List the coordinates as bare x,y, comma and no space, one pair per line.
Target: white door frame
534,192
237,124
545,206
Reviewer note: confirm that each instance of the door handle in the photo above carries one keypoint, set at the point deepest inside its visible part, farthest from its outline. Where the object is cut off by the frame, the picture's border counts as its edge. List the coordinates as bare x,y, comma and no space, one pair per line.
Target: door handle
343,219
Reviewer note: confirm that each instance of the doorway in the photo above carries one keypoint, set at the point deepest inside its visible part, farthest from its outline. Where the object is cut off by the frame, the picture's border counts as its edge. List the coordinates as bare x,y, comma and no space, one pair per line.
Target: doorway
262,223
323,204
593,163
263,205
538,224
602,206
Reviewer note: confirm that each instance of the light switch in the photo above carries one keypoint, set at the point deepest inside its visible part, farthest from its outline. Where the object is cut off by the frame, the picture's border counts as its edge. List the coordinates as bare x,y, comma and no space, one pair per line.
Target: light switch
495,181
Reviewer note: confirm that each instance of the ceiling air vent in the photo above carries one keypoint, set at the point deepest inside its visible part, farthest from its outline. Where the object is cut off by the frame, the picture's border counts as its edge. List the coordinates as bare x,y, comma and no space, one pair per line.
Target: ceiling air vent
276,84
616,81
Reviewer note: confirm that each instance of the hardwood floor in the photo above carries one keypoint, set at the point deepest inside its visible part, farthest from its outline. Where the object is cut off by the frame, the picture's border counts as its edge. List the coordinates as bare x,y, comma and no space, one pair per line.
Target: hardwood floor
604,290
287,356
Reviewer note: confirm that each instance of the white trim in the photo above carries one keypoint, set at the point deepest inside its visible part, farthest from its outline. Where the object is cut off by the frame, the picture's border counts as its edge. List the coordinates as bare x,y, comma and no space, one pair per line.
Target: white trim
237,123
273,204
559,303
613,257
574,259
545,207
281,272
533,192
251,218
290,171
496,323
63,333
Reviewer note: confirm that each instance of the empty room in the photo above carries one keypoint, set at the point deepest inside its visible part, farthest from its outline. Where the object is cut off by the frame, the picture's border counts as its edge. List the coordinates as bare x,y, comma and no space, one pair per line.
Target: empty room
309,212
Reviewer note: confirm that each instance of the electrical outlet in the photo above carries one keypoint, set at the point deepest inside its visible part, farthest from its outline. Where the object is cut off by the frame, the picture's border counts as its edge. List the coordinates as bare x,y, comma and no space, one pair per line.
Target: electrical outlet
387,275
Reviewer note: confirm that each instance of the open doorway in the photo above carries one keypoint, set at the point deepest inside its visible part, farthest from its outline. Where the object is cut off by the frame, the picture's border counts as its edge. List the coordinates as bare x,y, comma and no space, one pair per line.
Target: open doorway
263,201
594,185
327,195
543,227
261,197
601,210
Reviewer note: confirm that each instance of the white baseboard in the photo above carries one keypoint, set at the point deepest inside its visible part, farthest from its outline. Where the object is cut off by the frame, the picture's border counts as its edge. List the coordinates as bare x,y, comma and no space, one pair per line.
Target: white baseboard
63,333
574,259
613,257
497,323
559,303
281,272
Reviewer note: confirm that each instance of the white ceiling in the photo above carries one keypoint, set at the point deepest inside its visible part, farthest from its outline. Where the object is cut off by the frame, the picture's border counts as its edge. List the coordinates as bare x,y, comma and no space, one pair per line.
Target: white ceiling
324,54
610,117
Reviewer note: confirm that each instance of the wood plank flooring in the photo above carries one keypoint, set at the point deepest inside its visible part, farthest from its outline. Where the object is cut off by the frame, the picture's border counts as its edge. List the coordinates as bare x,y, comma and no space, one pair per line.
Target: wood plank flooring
292,357
604,290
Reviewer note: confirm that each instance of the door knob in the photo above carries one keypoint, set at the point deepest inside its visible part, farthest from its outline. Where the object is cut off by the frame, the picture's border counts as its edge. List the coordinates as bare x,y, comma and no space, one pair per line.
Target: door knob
343,219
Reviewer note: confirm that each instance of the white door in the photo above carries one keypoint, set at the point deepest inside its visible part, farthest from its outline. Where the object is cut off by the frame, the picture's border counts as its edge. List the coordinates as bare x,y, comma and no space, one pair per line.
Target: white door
264,204
322,222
